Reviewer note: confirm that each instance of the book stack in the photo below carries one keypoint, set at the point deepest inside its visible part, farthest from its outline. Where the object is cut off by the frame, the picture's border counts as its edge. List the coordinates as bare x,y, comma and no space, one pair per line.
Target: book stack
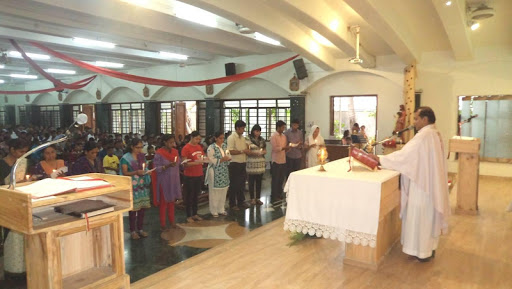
85,208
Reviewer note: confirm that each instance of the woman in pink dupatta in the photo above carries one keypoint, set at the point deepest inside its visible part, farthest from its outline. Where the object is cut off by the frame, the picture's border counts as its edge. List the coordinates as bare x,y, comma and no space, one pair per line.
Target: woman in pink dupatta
168,188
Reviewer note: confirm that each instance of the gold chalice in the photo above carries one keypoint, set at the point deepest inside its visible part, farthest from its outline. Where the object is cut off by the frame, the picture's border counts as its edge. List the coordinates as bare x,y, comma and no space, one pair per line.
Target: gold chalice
322,156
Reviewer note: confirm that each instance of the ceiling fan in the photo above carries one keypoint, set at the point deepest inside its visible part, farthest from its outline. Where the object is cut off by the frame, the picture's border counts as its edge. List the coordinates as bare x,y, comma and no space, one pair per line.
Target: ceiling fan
356,60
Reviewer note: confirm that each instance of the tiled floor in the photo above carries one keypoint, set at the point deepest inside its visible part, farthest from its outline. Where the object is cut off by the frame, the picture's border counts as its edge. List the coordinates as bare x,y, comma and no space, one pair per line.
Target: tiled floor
159,250
147,256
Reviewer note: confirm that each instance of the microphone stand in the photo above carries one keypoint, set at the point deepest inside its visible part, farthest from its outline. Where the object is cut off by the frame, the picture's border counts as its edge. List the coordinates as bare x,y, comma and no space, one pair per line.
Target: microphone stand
41,146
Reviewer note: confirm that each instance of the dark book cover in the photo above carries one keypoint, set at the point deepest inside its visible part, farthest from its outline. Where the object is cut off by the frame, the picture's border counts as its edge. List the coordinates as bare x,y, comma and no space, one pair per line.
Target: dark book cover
82,207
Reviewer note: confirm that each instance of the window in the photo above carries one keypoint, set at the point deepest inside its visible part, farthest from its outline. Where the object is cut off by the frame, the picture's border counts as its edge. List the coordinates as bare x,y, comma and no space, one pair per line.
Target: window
350,109
77,109
493,125
167,117
264,112
49,116
126,118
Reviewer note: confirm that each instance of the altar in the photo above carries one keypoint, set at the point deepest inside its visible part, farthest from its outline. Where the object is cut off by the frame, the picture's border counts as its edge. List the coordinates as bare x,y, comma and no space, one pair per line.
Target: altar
359,208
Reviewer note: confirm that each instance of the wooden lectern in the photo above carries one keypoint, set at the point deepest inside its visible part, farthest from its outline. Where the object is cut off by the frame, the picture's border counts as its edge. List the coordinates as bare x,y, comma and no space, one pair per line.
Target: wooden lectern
62,251
467,183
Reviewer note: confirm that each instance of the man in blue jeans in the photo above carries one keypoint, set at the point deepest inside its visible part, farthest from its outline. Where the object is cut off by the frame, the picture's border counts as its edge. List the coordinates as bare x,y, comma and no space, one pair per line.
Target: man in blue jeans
294,138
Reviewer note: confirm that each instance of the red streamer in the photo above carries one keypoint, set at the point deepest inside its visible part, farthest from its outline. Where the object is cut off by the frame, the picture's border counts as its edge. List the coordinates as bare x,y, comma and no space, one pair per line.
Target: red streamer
59,85
78,84
162,82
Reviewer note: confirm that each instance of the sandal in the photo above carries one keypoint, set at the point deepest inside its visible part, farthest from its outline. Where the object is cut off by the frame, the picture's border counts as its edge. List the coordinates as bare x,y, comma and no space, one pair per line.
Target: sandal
135,236
143,234
190,220
197,218
258,202
223,213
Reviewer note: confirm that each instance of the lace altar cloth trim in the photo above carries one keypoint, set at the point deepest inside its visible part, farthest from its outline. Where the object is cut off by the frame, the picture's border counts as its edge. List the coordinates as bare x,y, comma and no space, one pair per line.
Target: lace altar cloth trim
343,235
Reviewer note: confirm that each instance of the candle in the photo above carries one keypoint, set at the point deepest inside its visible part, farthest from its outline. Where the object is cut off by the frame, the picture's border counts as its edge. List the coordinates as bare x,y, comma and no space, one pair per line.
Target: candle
175,158
27,177
143,166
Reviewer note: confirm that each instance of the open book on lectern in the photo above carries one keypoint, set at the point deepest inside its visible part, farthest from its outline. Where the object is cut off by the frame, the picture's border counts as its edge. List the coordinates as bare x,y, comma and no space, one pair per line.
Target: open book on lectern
50,187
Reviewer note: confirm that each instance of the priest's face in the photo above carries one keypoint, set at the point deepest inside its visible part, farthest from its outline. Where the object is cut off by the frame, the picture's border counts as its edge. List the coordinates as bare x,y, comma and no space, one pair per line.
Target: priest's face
420,122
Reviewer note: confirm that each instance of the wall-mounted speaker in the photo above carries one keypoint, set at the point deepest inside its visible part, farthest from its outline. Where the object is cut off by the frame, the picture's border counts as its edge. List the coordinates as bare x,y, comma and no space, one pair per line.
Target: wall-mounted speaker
300,68
230,68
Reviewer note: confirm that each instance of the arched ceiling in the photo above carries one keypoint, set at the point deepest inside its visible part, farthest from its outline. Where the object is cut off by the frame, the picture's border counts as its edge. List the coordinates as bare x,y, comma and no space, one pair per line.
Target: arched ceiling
404,28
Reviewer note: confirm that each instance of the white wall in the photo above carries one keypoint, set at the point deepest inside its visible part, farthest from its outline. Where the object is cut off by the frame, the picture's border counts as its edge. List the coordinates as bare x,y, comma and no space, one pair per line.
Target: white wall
443,80
389,96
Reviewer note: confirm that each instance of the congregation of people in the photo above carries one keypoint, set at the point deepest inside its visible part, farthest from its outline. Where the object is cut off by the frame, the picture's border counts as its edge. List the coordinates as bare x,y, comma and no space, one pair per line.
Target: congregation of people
165,169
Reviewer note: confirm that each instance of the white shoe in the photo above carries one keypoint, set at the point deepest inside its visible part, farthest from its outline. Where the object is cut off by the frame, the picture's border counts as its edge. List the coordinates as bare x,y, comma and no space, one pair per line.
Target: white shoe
215,215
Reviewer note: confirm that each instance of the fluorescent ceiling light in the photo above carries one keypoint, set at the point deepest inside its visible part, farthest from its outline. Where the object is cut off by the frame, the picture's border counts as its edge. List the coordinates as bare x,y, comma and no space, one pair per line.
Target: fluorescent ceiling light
448,3
108,64
334,24
2,81
260,37
60,71
2,66
26,76
475,26
320,39
35,56
89,42
194,14
173,55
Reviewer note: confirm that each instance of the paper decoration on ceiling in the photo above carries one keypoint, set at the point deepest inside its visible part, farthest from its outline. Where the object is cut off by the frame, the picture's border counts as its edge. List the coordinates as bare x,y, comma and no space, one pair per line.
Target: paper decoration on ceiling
98,94
6,99
145,91
27,98
209,89
294,83
59,96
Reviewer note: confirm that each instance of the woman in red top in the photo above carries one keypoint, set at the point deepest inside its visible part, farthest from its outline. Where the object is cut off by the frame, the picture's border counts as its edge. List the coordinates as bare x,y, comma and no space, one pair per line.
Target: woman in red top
193,152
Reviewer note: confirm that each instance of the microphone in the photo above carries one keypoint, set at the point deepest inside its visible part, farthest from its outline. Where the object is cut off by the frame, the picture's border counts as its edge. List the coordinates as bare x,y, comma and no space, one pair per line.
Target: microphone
403,130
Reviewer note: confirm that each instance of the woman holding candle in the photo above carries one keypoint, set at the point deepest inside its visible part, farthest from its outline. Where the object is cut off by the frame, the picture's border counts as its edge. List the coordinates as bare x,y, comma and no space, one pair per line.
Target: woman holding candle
193,174
88,163
167,187
255,167
50,166
314,142
217,175
133,164
17,148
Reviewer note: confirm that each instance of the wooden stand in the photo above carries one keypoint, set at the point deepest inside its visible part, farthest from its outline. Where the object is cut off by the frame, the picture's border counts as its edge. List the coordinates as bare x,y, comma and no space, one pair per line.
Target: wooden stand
388,232
467,183
62,251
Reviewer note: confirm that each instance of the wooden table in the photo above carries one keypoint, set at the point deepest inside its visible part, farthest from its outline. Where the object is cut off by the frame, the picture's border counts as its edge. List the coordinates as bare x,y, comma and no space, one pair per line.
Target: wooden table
360,208
60,252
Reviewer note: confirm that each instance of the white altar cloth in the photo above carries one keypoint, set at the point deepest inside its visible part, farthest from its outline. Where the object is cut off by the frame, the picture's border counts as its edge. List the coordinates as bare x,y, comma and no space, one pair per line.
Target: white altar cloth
336,204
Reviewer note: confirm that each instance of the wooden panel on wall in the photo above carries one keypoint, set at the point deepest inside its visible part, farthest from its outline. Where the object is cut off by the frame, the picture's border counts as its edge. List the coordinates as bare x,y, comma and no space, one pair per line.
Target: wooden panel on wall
181,119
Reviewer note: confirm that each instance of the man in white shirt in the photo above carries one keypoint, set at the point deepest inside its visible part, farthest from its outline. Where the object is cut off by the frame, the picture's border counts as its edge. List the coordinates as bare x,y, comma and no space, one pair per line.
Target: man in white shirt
424,187
237,147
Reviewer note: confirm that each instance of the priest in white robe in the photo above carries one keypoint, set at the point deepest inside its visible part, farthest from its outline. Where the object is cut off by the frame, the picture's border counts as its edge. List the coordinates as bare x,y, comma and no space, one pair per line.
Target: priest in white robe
424,186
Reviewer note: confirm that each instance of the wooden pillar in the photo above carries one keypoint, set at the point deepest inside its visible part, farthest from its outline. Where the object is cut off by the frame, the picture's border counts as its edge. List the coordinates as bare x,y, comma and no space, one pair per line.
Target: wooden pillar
409,98
181,119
